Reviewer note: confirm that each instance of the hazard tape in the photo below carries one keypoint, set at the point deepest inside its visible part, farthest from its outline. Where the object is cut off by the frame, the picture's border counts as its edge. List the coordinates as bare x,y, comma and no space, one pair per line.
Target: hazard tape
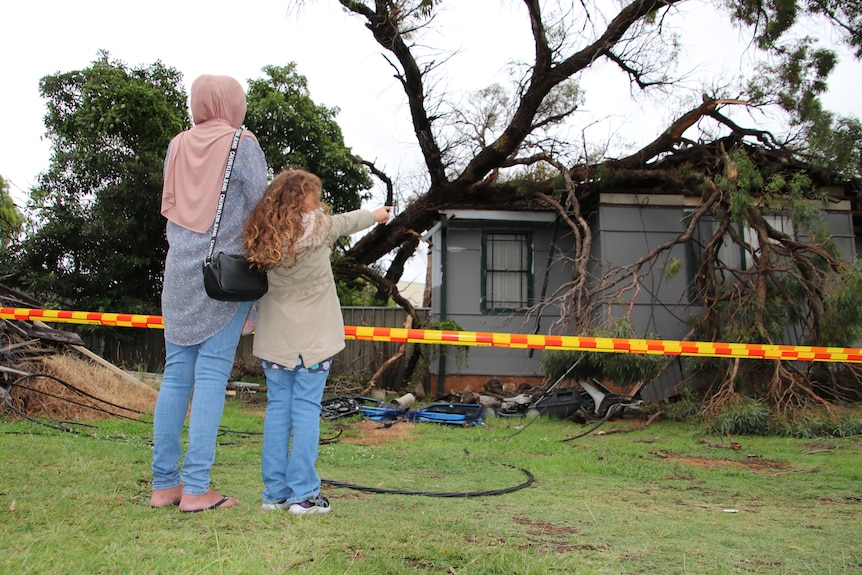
607,344
496,339
82,317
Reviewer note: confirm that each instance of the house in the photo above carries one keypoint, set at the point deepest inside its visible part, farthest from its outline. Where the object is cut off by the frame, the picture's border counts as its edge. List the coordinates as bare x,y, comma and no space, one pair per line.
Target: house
486,265
414,292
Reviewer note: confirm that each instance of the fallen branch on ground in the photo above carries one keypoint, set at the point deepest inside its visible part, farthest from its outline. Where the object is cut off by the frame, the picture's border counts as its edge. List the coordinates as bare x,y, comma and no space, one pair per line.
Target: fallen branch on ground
731,445
646,424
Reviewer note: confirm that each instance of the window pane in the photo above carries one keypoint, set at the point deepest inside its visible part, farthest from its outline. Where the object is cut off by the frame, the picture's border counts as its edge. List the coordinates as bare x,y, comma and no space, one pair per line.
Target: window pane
507,270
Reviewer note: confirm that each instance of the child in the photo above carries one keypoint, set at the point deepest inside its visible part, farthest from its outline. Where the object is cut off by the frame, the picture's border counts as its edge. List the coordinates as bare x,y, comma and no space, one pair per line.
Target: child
300,328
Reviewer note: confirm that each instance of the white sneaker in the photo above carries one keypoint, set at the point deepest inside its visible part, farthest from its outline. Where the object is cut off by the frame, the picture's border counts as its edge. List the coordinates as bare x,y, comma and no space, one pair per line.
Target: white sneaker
275,506
317,504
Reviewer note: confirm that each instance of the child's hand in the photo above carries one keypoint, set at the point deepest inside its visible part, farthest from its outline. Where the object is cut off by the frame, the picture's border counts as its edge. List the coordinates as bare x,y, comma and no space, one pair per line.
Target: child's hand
382,214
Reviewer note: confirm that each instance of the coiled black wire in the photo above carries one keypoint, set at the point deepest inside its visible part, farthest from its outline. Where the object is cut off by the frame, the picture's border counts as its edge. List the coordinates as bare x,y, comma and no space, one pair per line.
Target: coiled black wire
530,479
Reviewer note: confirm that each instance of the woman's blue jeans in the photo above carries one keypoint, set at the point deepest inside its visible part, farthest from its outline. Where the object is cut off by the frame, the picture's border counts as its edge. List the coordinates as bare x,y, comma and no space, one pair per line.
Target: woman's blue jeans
203,368
291,432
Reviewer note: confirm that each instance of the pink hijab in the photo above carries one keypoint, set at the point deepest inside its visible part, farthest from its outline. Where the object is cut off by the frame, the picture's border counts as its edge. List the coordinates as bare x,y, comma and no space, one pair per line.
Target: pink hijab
197,157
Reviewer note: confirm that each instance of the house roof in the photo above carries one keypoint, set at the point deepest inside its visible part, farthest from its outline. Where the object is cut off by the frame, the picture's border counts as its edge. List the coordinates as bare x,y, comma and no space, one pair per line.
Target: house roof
493,215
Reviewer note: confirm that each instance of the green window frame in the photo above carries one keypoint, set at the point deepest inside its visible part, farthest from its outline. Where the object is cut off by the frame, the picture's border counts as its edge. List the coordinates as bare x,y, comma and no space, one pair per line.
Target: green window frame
507,271
731,255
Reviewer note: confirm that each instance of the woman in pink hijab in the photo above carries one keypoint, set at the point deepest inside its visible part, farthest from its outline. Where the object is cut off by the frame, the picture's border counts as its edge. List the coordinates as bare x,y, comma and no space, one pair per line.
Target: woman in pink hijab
201,334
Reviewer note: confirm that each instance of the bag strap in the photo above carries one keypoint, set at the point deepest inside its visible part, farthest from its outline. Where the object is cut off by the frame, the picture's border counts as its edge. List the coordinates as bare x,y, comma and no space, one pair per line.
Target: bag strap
228,169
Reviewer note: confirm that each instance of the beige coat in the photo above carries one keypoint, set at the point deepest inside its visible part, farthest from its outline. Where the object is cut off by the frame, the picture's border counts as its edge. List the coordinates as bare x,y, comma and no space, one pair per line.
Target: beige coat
301,314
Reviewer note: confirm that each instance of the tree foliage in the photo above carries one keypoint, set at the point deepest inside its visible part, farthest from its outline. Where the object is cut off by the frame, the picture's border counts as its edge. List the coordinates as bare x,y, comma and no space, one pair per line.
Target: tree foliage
11,219
773,19
97,239
295,131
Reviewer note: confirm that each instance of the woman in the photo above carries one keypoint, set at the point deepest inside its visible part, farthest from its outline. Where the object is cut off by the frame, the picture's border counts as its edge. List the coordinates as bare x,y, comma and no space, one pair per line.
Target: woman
201,334
291,233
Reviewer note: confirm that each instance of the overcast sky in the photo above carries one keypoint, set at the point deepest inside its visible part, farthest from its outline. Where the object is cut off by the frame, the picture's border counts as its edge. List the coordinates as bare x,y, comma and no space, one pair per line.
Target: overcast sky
332,50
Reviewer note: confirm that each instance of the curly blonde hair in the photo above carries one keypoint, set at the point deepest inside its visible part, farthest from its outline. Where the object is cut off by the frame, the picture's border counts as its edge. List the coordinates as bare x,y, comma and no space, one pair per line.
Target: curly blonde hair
276,223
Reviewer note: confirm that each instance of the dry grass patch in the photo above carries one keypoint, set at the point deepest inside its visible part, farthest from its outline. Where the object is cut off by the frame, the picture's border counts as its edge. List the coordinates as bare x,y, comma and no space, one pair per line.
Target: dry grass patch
66,387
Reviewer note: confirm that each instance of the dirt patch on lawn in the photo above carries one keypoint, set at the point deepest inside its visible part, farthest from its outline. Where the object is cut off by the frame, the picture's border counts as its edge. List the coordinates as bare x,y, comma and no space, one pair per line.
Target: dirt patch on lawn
374,433
756,464
547,535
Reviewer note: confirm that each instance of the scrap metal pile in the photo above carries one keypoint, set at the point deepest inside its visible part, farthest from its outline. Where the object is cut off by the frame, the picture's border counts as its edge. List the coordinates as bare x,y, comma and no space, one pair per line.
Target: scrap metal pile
585,400
462,414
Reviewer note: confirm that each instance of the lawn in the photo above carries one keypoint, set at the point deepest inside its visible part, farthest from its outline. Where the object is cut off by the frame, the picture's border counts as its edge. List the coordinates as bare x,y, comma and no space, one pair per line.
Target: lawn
664,499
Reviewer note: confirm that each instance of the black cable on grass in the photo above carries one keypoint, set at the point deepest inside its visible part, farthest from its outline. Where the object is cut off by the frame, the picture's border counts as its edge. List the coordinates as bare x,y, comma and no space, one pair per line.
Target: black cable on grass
52,422
55,423
587,432
66,427
612,410
545,394
365,489
328,440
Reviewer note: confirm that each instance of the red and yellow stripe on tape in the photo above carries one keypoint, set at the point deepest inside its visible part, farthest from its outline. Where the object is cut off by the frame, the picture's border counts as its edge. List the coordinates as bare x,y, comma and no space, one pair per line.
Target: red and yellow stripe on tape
84,317
606,344
488,339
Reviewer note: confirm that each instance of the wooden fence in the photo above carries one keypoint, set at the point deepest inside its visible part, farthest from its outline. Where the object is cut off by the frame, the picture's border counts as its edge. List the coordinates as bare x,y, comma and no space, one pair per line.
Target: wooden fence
144,349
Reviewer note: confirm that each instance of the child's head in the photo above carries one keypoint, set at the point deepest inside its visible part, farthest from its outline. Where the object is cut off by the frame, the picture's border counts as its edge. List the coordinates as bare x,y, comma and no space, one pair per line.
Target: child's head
276,222
295,189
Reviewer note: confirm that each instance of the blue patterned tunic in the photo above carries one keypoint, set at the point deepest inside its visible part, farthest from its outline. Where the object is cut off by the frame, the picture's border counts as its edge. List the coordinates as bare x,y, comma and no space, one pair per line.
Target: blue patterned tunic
189,315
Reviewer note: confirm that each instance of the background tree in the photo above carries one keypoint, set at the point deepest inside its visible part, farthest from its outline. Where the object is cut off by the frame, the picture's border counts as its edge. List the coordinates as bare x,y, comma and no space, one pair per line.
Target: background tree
11,219
295,131
481,158
97,239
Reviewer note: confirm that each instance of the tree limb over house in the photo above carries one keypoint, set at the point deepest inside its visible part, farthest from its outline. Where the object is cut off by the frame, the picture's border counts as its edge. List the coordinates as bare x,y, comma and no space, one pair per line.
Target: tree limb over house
738,173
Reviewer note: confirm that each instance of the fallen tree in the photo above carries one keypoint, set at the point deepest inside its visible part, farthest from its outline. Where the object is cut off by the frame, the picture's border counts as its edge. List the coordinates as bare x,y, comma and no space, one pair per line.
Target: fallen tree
494,157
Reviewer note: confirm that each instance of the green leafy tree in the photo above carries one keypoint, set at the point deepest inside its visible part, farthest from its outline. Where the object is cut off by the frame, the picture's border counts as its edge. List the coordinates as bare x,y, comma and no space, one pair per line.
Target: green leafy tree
773,19
97,239
11,219
796,84
295,131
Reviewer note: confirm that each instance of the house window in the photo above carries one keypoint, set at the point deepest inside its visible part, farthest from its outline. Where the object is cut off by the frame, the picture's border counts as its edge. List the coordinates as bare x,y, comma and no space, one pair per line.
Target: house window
732,257
781,222
736,257
507,271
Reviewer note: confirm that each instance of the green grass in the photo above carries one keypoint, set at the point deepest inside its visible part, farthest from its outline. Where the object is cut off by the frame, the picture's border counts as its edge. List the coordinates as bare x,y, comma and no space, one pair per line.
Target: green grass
650,501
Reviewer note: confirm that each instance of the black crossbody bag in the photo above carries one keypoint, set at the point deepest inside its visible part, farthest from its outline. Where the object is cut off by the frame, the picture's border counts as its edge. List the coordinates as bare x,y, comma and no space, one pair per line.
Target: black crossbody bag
228,277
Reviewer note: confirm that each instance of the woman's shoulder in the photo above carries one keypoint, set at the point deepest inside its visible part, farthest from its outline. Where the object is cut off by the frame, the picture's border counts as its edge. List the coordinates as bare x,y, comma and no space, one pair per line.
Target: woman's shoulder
249,157
248,141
